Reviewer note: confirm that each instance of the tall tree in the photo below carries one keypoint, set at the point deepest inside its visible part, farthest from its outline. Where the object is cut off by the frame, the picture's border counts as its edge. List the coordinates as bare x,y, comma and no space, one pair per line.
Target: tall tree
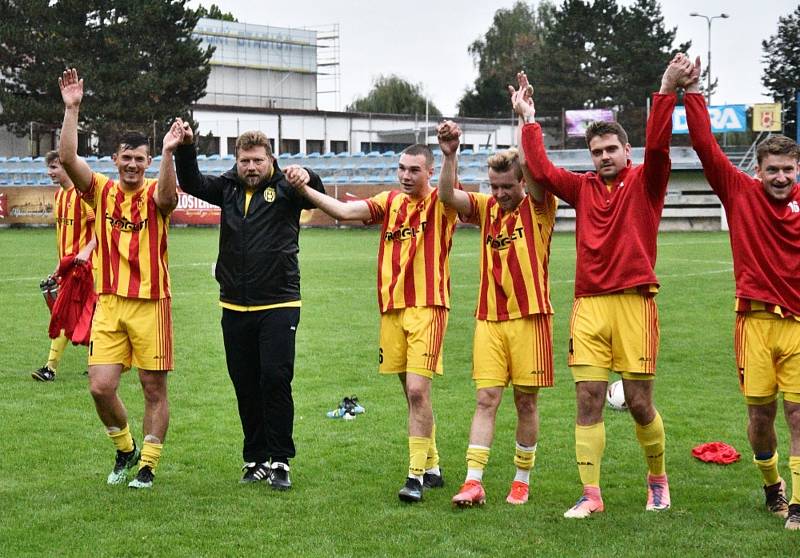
782,67
215,12
512,43
394,95
579,54
141,65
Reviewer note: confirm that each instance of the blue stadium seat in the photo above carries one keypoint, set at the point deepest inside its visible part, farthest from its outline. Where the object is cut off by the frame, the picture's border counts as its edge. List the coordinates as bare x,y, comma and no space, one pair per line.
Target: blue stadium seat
91,158
389,153
328,155
375,179
358,154
229,157
466,152
343,154
214,157
358,179
314,155
374,154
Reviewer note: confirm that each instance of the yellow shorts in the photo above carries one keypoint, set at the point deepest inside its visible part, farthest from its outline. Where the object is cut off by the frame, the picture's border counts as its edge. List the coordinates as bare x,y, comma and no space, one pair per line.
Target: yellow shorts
767,355
518,352
617,332
411,340
132,331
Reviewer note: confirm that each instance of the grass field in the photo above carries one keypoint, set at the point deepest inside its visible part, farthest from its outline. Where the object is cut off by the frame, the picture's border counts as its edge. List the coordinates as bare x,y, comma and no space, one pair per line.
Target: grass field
54,455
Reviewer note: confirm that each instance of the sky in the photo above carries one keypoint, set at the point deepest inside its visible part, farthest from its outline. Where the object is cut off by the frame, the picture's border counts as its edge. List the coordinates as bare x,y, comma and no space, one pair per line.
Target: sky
426,41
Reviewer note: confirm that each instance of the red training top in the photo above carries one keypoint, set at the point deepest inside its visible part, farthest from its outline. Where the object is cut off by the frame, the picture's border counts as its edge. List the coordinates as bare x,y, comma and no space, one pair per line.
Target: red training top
765,233
616,230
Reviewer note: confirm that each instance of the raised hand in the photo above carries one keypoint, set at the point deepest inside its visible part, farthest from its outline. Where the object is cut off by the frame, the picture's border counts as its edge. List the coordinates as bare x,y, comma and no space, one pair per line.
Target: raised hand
677,73
692,84
522,97
449,135
71,88
297,176
175,135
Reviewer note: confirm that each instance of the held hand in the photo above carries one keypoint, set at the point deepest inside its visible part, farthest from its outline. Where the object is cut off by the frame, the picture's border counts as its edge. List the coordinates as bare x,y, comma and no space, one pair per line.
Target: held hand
71,88
449,134
297,176
522,97
693,82
174,136
188,134
677,74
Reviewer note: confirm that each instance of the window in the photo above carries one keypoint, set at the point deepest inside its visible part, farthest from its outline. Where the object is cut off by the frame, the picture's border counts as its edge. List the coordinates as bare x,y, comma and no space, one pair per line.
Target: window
290,146
232,146
208,144
315,146
338,146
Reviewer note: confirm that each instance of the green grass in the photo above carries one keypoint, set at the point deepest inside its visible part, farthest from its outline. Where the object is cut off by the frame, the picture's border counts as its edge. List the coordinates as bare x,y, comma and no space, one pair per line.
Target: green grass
54,455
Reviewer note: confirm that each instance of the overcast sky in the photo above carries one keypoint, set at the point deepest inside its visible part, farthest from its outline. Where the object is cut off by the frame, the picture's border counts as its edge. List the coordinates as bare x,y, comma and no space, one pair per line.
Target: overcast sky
425,41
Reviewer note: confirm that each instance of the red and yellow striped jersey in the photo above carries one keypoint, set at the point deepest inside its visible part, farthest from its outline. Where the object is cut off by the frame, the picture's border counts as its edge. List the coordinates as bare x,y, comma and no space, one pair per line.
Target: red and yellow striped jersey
413,257
74,222
515,256
131,239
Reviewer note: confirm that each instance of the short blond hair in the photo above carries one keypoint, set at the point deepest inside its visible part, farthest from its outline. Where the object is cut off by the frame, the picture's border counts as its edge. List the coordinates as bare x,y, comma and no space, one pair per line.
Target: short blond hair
506,160
251,139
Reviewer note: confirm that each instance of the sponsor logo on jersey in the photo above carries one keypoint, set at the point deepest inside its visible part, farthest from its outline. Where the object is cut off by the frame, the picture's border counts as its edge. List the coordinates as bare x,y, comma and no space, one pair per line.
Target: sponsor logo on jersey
503,241
404,233
123,224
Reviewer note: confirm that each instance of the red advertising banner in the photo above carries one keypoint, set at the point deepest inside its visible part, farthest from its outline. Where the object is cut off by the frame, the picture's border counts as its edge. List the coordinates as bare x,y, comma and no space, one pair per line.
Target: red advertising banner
191,211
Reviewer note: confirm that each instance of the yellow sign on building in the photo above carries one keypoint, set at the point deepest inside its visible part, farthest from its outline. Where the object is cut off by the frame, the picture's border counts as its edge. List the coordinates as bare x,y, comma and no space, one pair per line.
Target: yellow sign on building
767,117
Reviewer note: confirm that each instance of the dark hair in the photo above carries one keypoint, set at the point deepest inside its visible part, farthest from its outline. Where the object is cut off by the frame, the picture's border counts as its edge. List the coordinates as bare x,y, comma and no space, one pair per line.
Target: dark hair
420,149
51,156
131,140
600,128
777,145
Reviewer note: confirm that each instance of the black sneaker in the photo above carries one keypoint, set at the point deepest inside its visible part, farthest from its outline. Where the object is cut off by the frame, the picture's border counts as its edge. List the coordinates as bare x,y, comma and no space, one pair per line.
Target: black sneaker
44,374
123,463
775,497
279,476
432,480
793,518
255,472
144,478
411,492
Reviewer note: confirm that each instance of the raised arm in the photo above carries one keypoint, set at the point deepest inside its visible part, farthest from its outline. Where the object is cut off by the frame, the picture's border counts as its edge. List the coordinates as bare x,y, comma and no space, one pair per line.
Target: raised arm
449,135
560,182
299,178
719,170
166,196
72,95
190,179
521,95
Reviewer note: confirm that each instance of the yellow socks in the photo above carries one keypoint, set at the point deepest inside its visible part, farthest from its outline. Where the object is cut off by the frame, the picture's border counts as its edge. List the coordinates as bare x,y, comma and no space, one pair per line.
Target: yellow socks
57,347
418,455
769,469
524,458
652,439
432,457
477,458
794,467
590,443
151,452
122,439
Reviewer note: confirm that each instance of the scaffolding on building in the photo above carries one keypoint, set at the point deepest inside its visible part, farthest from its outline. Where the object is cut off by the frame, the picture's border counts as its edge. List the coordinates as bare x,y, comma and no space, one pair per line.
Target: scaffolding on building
328,67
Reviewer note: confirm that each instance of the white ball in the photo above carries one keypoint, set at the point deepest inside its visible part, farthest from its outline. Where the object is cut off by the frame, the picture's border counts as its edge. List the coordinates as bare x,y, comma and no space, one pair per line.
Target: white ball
615,396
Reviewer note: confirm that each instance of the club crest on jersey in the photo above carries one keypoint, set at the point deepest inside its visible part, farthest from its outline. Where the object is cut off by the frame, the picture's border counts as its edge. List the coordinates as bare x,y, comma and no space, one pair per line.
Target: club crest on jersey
269,194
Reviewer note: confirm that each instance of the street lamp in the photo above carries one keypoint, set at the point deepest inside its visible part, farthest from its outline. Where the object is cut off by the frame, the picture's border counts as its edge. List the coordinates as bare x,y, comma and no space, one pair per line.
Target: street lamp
708,69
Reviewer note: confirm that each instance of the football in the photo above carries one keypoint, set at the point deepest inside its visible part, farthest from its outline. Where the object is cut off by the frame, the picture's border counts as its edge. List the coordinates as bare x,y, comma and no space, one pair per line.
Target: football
615,396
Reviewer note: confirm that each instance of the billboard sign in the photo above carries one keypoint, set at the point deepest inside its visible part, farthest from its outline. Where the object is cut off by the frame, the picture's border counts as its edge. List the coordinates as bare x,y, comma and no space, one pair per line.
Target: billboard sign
724,118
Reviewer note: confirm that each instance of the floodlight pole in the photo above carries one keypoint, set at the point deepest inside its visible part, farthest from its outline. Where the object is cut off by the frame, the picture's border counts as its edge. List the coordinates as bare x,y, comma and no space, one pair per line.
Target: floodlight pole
708,70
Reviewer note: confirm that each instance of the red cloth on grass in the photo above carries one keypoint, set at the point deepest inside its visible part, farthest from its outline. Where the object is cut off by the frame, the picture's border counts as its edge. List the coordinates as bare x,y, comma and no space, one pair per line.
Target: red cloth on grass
716,452
74,307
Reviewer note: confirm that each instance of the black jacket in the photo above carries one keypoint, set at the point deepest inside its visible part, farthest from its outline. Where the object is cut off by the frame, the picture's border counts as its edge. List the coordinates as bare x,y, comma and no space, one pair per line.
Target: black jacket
257,261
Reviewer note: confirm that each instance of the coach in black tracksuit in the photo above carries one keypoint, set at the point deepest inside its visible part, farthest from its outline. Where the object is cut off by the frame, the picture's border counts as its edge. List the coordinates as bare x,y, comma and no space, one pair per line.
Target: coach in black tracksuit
259,280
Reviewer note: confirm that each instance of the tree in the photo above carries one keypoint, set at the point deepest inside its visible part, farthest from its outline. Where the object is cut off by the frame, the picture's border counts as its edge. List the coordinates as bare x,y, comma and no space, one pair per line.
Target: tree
512,43
782,67
394,95
215,12
579,54
139,61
